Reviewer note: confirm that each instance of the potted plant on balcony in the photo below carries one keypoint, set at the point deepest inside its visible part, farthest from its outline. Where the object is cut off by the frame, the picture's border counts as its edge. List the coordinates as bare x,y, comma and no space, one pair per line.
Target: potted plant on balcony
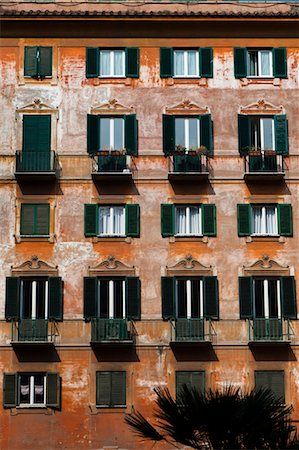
179,150
269,152
254,151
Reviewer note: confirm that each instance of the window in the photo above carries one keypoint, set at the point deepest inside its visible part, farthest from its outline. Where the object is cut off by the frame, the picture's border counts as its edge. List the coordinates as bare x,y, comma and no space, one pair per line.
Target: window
38,62
262,133
112,220
192,379
189,295
35,219
265,220
111,389
34,298
271,379
187,133
186,62
188,220
32,390
266,293
112,134
112,63
260,62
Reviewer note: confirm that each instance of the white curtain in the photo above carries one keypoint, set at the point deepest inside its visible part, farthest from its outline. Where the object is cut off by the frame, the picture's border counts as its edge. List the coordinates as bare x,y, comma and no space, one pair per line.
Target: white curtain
118,62
180,220
257,220
195,225
271,220
24,389
265,63
105,63
192,63
264,220
39,389
179,63
104,218
118,220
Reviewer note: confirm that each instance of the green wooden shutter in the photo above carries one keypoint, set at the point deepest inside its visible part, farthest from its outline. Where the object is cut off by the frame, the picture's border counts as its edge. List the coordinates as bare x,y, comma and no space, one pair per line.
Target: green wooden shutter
168,134
12,298
281,134
42,220
92,62
93,134
285,219
211,303
246,297
280,69
103,389
53,387
132,62
271,379
244,134
132,220
91,219
30,62
167,220
168,297
118,389
37,133
208,220
240,62
206,133
44,62
166,62
27,220
133,298
206,62
131,134
288,297
191,379
55,298
244,220
90,297
10,390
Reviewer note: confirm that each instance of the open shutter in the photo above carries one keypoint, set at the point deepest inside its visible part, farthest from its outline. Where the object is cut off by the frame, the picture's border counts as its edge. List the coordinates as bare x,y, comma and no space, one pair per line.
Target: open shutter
206,138
206,62
167,220
208,220
30,62
45,62
55,299
168,297
280,62
211,304
118,389
92,62
281,134
288,296
132,220
10,390
271,379
90,297
91,219
240,62
131,134
27,220
103,392
243,134
168,134
285,220
42,220
12,298
93,134
166,62
133,298
132,62
53,386
244,220
246,297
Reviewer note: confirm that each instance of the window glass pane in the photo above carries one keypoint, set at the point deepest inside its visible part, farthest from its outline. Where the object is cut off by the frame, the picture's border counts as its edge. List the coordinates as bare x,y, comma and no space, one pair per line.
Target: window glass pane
257,220
26,298
273,298
193,133
40,299
252,63
118,220
267,133
38,389
179,63
118,62
182,298
180,132
259,298
24,392
104,298
271,221
105,62
195,227
255,132
192,66
195,298
265,68
118,134
180,220
105,134
118,299
104,219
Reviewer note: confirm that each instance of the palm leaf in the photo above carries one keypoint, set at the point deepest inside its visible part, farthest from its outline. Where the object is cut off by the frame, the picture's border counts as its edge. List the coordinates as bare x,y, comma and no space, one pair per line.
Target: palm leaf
142,427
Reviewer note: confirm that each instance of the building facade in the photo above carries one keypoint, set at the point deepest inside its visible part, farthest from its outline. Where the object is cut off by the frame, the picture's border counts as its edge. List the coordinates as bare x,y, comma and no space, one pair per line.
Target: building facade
149,211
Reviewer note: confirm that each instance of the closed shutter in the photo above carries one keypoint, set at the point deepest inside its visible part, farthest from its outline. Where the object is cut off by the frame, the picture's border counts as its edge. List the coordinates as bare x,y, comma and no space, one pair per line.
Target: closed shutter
43,133
27,226
166,62
285,220
10,390
45,62
42,220
288,297
103,389
93,134
211,304
206,62
132,62
281,134
244,220
167,220
90,297
243,134
131,134
36,133
271,379
240,62
133,298
194,380
280,62
206,138
55,298
91,220
53,386
132,220
168,297
168,134
208,220
12,298
30,62
92,62
118,389
246,297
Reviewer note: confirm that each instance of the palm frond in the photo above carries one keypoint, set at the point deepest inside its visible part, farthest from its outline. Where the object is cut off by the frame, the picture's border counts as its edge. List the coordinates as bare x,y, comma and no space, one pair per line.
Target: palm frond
142,427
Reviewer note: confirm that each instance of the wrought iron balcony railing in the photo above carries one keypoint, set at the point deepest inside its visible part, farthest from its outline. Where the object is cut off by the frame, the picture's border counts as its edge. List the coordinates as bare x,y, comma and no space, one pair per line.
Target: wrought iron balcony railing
112,163
111,330
191,330
34,330
263,163
272,329
188,164
36,161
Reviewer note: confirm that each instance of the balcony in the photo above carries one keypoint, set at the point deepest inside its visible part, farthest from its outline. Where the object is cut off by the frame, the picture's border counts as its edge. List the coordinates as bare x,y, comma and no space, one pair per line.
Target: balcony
192,331
269,331
112,168
39,166
188,168
112,332
264,167
33,332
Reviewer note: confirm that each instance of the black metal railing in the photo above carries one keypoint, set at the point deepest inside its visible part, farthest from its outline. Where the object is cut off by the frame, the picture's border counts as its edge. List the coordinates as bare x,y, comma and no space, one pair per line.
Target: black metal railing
191,330
33,330
264,163
112,163
35,161
270,329
111,330
188,163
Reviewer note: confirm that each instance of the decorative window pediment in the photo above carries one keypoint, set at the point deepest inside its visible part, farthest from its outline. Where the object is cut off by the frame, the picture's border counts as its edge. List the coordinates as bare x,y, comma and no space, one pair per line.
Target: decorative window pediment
266,267
112,107
37,106
187,107
261,107
189,267
34,267
112,267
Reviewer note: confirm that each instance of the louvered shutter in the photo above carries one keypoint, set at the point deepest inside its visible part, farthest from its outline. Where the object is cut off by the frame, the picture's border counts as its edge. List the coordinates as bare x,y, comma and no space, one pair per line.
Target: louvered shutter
27,220
12,298
240,62
244,219
133,298
118,389
91,219
288,297
206,62
166,62
90,297
167,220
194,379
53,386
168,297
30,61
132,220
280,62
42,227
131,134
132,62
10,390
36,133
285,219
92,62
103,389
208,220
281,134
206,138
168,134
271,379
211,303
55,298
45,62
93,134
244,134
246,297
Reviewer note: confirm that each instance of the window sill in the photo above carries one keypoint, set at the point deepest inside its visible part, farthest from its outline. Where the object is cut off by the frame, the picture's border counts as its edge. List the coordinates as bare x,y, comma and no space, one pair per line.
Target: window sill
201,81
95,409
280,239
126,239
31,410
53,80
50,238
260,80
96,81
203,239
